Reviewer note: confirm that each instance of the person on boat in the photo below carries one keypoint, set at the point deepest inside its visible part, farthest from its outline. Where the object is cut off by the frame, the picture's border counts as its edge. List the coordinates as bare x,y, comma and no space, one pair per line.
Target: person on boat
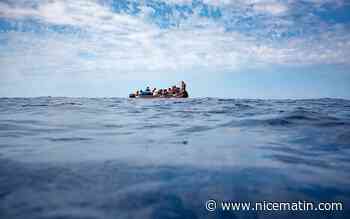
165,92
183,93
173,90
146,92
183,86
156,93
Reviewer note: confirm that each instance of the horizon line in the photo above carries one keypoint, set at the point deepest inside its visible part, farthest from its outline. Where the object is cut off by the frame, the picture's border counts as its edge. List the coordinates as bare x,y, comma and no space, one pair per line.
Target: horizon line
238,98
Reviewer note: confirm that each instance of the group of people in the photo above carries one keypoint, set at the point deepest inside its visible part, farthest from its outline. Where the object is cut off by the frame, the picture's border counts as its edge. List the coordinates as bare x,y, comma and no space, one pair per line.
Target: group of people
173,91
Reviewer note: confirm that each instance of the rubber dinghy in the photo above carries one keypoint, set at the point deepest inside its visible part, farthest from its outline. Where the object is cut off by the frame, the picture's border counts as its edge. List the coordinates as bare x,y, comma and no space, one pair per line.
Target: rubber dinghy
151,96
171,92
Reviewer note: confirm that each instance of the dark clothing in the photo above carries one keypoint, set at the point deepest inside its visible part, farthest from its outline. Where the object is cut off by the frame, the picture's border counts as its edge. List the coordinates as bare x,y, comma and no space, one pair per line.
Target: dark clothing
184,94
183,86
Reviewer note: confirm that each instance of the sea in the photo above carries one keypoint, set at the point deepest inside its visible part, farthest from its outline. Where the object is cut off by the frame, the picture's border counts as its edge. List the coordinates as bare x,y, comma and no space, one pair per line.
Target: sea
111,158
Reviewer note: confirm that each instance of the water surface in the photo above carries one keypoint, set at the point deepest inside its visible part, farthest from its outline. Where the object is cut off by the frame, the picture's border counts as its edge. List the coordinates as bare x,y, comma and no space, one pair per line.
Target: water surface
130,158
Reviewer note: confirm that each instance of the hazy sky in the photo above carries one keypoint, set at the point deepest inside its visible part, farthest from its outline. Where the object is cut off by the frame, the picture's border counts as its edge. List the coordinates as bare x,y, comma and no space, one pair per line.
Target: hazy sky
221,48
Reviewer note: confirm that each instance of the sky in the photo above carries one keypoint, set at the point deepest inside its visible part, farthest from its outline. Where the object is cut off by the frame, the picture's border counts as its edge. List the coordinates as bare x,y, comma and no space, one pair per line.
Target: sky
221,48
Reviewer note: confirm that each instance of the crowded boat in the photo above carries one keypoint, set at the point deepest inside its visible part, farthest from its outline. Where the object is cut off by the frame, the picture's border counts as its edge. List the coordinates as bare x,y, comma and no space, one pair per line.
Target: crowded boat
171,92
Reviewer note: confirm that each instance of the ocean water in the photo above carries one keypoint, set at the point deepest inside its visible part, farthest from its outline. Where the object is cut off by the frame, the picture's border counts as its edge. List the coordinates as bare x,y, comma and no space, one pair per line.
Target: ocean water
130,158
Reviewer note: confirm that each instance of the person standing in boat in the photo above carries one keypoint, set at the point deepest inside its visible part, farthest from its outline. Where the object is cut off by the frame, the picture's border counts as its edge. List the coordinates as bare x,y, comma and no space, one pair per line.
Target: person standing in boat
183,86
183,92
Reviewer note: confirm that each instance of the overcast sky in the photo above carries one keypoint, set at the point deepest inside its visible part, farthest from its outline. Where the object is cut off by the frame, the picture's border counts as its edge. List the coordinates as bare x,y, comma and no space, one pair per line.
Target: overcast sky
221,48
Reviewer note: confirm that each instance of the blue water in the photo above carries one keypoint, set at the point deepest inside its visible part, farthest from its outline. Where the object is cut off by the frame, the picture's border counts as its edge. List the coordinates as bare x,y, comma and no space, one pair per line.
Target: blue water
126,158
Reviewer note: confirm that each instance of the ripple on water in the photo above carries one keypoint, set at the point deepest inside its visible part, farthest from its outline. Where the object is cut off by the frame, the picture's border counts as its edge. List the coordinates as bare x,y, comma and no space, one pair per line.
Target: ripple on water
121,158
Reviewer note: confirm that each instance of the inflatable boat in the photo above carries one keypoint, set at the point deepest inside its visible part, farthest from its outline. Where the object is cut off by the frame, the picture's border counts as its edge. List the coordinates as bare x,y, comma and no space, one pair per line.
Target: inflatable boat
151,96
171,92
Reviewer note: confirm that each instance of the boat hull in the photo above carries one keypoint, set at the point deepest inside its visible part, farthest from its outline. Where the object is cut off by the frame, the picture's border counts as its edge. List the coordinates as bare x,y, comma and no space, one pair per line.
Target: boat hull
156,97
